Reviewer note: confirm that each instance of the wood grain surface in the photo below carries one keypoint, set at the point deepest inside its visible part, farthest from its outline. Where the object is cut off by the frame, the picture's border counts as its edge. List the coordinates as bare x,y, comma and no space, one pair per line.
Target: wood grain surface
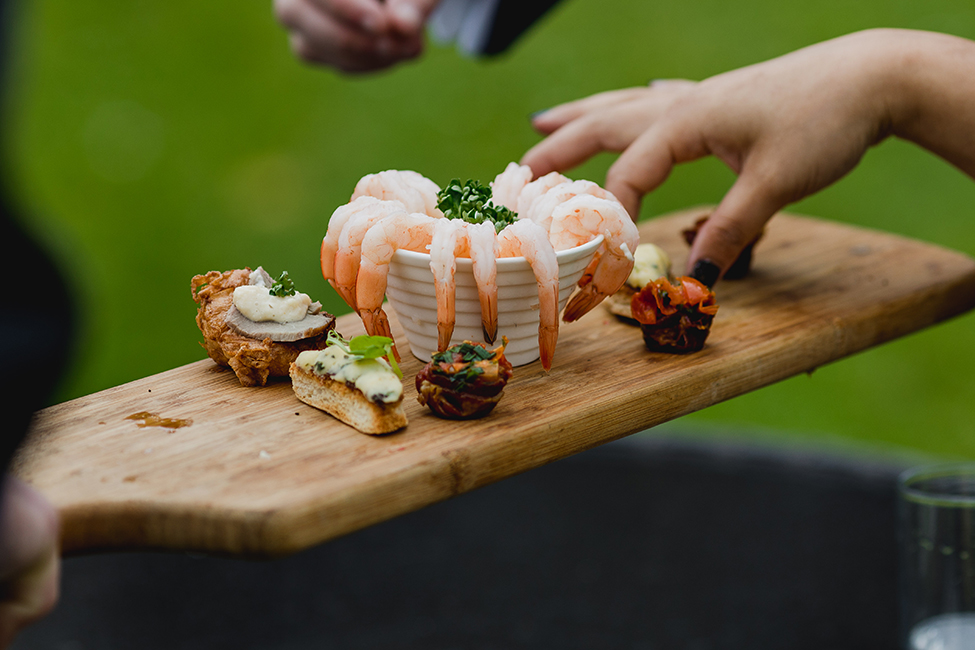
258,473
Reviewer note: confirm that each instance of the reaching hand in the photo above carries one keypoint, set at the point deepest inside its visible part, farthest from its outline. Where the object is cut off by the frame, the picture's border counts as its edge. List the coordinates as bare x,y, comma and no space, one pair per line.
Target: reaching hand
788,127
29,559
355,35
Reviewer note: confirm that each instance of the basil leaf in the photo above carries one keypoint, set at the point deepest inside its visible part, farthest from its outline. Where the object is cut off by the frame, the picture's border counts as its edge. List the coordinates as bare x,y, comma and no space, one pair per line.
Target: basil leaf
367,347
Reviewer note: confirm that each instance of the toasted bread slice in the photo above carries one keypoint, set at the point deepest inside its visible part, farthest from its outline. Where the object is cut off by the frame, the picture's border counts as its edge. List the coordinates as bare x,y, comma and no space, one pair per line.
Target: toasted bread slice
346,403
618,304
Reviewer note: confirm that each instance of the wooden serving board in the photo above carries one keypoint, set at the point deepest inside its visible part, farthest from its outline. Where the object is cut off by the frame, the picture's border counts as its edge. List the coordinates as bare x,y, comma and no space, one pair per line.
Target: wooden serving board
259,473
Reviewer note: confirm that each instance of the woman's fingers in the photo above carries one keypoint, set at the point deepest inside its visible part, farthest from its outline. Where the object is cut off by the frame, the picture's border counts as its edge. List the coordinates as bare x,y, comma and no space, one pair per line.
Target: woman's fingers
735,223
608,121
571,145
648,161
556,117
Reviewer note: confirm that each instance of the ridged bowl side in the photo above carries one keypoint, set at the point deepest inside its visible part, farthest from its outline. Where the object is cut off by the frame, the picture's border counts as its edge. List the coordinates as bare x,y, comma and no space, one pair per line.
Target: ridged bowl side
410,291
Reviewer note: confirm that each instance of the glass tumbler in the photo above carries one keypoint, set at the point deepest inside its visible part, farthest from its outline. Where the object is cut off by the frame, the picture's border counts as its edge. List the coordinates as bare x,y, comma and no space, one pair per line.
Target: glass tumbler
937,557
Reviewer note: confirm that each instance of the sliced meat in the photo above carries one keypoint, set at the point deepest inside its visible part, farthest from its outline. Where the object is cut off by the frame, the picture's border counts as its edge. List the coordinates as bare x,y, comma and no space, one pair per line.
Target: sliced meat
310,325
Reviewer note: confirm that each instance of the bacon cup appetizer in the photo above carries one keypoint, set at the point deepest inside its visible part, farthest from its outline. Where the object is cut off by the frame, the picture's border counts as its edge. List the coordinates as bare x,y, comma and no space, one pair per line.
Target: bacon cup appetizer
741,266
464,382
674,317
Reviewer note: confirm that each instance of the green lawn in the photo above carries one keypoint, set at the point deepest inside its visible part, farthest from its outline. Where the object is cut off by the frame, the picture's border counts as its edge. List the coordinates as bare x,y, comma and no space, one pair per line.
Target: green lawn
153,140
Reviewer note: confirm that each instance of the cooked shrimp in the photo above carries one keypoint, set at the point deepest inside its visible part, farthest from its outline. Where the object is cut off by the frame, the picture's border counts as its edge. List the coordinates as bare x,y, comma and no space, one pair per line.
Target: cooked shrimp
350,244
449,240
580,219
483,247
507,185
400,231
528,239
535,189
417,192
453,239
330,243
542,208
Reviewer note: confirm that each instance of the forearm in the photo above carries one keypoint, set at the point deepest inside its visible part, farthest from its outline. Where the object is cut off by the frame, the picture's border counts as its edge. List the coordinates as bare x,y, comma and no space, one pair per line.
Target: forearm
933,95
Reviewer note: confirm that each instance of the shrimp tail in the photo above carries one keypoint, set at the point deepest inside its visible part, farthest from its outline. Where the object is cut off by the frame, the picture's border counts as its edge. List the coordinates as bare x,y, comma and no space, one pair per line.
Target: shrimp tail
445,314
581,302
483,248
547,338
489,316
377,324
548,331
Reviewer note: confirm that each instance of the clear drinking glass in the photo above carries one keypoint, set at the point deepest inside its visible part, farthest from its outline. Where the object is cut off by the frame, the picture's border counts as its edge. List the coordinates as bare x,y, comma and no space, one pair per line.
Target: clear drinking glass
937,557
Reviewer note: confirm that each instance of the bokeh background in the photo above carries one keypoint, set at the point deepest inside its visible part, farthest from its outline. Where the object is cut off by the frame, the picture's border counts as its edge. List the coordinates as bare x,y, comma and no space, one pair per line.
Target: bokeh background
151,140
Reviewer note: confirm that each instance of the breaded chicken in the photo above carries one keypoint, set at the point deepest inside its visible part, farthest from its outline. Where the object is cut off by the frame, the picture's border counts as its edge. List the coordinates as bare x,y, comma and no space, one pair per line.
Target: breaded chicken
254,360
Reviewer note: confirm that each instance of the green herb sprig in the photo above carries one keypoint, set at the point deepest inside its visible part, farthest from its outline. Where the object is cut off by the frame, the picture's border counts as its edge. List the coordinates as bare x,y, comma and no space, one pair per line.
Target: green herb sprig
471,202
366,347
283,286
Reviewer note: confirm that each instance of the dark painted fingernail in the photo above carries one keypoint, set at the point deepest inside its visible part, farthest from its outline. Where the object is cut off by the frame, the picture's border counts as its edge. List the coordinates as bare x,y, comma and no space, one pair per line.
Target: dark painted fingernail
706,272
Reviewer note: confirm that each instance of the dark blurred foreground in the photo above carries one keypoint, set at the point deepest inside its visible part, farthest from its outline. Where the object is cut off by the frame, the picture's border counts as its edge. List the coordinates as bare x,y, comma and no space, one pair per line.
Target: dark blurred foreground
650,542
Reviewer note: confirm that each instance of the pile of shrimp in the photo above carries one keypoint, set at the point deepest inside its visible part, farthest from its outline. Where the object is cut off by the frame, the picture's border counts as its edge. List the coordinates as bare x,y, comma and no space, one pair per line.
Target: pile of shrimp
393,210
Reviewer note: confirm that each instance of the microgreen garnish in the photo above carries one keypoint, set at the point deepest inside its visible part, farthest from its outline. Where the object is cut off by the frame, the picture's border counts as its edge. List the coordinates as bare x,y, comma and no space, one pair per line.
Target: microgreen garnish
366,347
468,375
472,203
467,351
283,286
469,354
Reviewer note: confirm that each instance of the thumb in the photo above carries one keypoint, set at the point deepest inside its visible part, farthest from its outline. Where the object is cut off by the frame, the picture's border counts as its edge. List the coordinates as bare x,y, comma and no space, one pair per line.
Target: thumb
409,16
735,223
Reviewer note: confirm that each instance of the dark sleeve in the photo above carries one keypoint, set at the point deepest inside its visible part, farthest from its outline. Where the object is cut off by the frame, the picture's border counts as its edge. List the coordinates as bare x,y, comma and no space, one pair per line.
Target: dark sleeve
512,19
36,326
36,317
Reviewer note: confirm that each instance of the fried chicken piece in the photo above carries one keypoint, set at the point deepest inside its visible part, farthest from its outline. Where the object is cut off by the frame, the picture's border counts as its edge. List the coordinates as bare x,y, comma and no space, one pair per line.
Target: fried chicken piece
251,359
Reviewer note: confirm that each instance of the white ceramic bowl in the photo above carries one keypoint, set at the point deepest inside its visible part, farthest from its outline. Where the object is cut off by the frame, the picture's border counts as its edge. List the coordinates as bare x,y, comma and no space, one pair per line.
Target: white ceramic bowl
411,293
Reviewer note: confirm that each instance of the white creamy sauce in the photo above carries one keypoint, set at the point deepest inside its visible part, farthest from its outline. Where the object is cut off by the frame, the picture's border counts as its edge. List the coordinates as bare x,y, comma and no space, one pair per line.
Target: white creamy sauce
373,377
649,263
256,303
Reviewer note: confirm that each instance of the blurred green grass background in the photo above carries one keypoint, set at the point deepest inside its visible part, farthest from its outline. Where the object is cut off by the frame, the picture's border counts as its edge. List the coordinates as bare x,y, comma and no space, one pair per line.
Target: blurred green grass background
152,140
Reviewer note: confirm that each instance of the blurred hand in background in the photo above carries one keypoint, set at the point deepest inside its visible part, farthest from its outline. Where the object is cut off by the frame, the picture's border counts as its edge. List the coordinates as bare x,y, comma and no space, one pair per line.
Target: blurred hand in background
355,35
29,558
787,127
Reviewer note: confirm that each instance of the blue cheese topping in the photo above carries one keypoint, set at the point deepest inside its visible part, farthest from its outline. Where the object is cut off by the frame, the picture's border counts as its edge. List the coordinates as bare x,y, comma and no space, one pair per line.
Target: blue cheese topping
372,377
649,263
